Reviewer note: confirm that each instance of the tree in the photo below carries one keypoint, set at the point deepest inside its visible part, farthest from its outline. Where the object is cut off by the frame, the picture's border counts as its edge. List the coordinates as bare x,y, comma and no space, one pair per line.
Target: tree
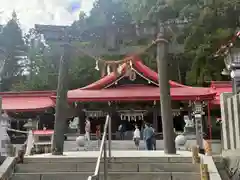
214,26
12,41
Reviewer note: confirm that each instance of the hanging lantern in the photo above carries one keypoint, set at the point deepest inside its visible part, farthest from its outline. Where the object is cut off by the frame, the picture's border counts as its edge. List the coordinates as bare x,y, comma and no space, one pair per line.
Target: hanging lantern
97,65
119,69
154,103
108,69
132,76
131,65
128,70
103,70
121,116
114,68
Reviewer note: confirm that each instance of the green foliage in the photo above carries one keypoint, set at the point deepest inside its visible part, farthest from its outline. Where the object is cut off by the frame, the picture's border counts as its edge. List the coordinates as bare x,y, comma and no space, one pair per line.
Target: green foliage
211,24
12,58
213,28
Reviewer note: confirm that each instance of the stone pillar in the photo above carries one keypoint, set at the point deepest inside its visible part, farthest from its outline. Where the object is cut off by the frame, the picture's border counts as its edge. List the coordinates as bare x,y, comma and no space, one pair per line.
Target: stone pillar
236,111
231,123
224,118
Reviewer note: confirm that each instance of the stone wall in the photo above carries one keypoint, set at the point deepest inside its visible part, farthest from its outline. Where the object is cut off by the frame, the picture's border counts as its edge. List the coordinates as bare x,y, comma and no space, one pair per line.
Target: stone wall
230,116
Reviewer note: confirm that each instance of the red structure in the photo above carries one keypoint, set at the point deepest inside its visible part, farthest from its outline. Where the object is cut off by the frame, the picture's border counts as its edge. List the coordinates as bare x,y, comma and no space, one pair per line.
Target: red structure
220,87
109,88
27,101
103,90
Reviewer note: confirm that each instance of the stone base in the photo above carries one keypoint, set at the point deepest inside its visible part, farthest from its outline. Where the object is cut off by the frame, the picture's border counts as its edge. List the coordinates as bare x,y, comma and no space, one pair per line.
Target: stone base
190,136
189,130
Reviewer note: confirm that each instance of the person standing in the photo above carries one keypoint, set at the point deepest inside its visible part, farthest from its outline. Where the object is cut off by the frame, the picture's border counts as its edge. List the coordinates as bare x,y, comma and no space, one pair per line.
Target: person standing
98,135
136,137
154,147
121,130
87,131
147,136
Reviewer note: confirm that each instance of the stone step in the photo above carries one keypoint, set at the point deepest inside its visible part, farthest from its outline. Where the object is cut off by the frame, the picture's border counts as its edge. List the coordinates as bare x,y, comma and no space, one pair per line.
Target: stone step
111,176
65,159
113,167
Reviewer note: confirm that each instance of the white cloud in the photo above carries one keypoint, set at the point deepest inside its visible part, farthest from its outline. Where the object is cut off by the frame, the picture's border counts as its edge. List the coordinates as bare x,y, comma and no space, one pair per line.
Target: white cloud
32,12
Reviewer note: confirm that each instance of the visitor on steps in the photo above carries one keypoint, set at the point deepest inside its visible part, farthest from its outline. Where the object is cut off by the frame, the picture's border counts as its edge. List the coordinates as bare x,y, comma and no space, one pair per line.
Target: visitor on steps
98,135
87,132
147,136
121,129
154,139
136,137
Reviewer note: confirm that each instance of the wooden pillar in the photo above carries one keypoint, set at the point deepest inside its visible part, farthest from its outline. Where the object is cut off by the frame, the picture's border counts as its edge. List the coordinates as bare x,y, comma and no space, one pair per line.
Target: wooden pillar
155,119
112,112
82,117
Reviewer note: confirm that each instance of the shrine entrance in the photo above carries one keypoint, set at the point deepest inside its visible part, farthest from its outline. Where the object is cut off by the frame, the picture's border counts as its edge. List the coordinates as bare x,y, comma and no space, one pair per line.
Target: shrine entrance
130,118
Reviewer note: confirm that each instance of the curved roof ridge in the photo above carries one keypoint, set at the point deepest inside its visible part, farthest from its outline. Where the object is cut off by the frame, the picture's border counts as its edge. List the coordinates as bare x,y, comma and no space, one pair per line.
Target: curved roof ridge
151,74
139,66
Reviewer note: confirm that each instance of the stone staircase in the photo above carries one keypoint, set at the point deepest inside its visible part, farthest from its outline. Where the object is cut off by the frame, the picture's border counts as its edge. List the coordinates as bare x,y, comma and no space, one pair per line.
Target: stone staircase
119,168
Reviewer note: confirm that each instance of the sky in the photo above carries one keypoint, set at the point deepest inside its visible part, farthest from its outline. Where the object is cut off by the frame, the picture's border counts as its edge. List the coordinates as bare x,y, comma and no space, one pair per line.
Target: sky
30,12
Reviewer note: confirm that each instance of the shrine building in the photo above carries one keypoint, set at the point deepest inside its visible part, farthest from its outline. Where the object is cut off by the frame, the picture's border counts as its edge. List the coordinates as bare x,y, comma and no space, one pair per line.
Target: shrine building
131,95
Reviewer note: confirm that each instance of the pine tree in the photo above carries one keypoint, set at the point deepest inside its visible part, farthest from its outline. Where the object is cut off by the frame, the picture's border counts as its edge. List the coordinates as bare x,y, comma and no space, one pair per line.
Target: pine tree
11,40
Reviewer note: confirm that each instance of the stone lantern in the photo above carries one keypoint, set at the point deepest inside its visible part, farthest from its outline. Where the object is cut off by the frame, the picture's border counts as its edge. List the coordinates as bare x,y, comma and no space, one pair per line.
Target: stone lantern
232,63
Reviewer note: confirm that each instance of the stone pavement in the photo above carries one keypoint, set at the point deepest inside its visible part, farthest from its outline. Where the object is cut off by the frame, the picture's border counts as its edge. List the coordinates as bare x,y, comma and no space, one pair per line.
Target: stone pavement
90,154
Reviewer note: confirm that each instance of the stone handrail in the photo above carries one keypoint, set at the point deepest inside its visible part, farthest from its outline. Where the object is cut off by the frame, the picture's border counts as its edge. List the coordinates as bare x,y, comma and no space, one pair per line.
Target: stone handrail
7,168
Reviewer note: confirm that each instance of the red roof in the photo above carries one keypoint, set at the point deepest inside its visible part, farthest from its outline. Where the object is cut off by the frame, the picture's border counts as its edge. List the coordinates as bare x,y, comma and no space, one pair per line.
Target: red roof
220,87
139,66
27,101
139,93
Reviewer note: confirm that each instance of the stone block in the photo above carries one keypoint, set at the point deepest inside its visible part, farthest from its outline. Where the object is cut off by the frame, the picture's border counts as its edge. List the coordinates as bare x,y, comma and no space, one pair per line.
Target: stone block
225,121
46,167
122,167
215,176
139,176
140,159
111,176
59,159
65,176
26,176
231,123
185,176
168,167
180,159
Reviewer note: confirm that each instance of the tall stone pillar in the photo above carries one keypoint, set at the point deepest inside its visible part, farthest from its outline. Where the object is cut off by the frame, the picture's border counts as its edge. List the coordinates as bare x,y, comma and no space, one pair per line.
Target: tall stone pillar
231,123
225,122
236,111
